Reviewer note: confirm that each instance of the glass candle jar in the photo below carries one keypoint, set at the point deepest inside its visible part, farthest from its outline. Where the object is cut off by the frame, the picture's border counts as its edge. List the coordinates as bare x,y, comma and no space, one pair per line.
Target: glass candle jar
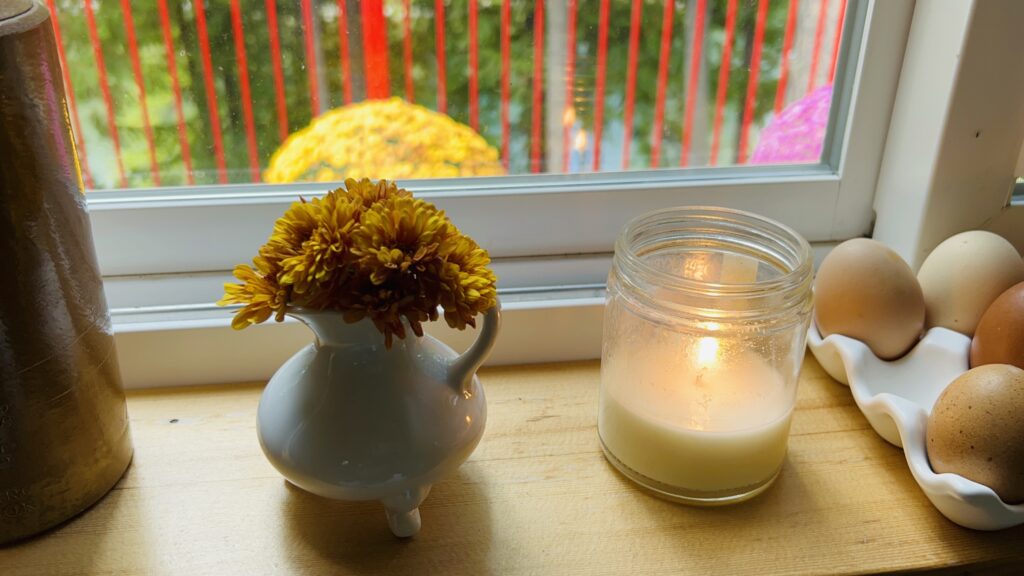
704,332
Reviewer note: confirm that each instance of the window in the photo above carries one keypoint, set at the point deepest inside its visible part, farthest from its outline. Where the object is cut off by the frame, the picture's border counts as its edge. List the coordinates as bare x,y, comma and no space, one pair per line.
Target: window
201,93
129,112
178,112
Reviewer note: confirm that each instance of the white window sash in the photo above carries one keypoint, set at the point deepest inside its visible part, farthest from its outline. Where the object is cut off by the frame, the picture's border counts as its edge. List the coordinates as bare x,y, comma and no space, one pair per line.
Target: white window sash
165,252
200,229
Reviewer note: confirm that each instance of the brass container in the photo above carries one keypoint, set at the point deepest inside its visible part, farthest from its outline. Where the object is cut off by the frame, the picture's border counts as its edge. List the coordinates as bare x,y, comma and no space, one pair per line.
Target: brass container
64,439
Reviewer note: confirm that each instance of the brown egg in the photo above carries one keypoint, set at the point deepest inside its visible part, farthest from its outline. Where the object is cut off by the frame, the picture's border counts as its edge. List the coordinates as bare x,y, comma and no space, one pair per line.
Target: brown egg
866,291
999,338
976,429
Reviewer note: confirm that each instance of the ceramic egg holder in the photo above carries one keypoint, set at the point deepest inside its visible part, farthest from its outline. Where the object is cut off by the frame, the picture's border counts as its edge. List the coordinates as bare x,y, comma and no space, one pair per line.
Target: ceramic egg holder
897,397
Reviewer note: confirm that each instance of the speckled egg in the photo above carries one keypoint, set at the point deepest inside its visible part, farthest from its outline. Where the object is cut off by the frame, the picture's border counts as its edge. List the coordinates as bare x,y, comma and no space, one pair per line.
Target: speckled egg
976,429
964,275
999,338
866,291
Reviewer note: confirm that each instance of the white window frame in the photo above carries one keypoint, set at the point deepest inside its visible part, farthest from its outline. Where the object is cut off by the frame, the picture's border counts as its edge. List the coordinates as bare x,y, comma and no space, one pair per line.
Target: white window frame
165,252
954,149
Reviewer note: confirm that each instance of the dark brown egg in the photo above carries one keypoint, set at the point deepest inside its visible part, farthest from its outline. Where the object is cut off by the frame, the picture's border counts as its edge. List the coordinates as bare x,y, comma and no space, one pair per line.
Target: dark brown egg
999,338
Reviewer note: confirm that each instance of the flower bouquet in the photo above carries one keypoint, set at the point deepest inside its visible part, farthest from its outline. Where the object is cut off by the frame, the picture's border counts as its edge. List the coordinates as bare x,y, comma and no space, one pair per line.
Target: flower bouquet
368,250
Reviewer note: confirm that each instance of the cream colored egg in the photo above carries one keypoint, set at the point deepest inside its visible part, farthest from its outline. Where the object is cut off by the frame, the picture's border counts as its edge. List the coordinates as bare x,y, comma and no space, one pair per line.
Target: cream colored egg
964,275
866,291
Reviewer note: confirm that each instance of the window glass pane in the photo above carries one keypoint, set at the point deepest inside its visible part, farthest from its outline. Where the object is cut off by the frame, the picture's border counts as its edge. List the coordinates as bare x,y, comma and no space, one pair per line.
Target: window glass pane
191,92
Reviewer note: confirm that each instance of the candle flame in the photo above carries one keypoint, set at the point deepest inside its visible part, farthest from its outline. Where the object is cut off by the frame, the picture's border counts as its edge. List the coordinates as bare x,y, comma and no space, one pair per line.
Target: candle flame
581,141
707,351
569,116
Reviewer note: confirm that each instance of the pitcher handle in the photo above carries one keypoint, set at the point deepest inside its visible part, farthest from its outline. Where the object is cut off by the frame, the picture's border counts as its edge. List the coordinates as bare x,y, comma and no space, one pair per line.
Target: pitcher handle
465,366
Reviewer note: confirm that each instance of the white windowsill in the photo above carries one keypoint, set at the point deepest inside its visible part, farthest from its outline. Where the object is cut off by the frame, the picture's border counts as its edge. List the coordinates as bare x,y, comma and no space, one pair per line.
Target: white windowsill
169,332
187,347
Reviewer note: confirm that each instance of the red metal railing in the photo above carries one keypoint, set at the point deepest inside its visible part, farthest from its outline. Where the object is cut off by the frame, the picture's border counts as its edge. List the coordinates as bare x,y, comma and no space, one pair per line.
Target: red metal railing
506,89
311,63
696,50
133,52
410,88
787,46
599,84
685,57
108,99
631,62
474,66
837,36
536,138
375,49
569,114
442,81
819,36
280,102
657,136
243,83
75,122
755,76
211,91
723,81
179,110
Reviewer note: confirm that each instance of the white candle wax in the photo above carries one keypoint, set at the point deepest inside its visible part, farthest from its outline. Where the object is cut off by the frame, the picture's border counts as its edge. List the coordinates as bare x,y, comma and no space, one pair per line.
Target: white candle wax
719,422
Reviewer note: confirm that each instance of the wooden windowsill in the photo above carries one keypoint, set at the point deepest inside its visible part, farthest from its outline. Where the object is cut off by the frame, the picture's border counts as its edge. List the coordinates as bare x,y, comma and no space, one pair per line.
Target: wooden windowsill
537,496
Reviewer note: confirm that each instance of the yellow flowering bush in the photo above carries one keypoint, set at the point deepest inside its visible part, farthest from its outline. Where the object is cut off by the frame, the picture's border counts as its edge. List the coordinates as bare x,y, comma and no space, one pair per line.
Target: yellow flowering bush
368,250
388,137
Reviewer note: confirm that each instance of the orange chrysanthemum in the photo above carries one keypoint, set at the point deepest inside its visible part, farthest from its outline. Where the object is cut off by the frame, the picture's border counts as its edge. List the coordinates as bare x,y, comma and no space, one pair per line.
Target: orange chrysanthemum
323,252
467,283
369,250
389,137
398,234
366,192
260,295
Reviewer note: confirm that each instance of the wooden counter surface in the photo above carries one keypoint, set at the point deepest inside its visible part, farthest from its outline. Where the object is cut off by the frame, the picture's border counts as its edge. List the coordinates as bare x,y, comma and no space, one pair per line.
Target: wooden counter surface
537,497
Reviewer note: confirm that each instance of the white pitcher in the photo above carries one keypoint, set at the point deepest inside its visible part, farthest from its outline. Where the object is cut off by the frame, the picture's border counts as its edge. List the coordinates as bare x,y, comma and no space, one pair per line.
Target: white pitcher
348,419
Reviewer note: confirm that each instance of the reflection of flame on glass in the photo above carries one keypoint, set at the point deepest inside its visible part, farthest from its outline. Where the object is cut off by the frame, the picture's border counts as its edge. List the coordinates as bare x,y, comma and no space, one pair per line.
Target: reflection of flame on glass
697,266
580,145
707,351
569,116
707,356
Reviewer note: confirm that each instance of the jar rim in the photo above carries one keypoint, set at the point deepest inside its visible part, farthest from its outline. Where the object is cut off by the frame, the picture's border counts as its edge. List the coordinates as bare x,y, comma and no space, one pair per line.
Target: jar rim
795,274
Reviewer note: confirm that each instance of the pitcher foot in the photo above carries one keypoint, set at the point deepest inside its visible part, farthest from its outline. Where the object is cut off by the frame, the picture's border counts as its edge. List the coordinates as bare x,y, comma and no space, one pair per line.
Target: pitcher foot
404,513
